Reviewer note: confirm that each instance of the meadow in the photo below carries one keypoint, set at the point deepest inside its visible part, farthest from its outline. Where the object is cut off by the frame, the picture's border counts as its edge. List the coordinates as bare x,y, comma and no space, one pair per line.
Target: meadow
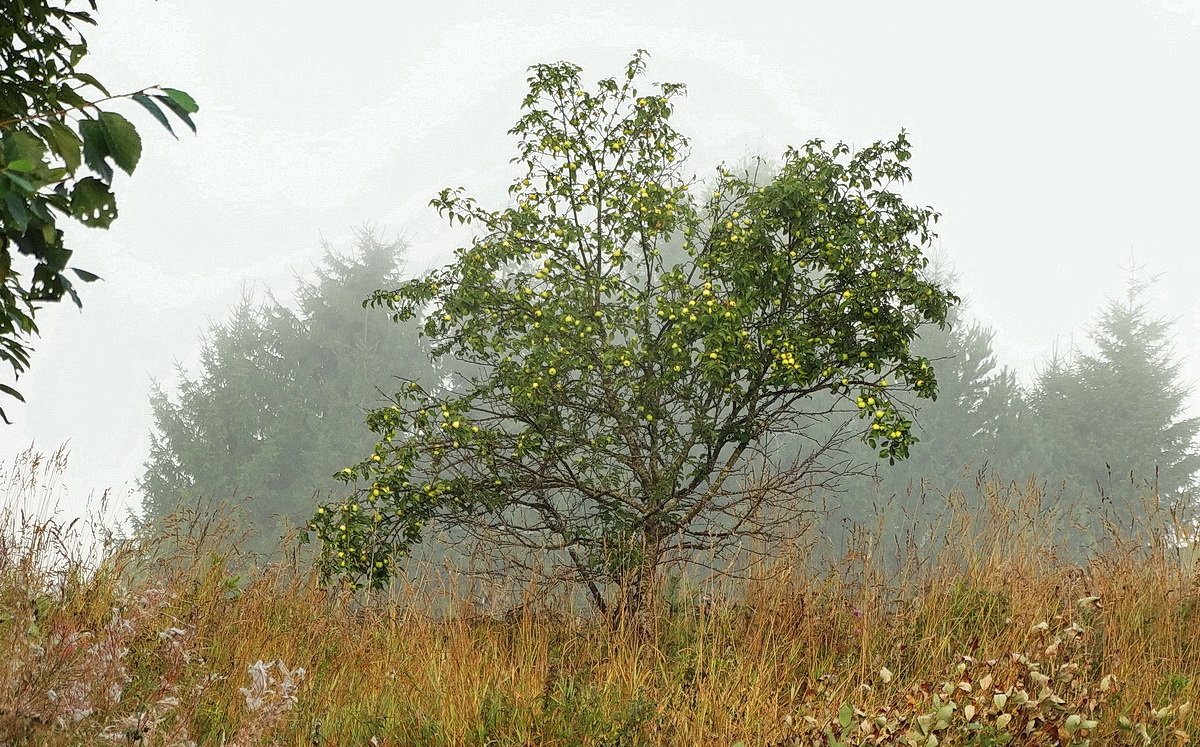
988,633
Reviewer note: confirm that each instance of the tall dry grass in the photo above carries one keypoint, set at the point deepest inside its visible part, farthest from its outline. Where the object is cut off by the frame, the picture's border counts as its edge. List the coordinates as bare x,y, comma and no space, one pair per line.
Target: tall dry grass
985,635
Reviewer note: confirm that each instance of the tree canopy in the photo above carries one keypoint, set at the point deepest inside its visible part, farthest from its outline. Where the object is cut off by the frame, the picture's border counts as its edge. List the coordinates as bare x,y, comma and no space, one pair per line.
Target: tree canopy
616,401
60,145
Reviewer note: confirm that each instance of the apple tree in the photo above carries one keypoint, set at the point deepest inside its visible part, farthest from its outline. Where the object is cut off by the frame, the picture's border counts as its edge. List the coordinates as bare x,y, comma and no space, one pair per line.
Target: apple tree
60,144
621,406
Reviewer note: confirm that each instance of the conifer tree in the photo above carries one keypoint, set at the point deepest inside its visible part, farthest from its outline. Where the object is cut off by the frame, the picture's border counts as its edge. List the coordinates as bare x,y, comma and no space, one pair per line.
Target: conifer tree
1110,424
974,422
977,424
279,402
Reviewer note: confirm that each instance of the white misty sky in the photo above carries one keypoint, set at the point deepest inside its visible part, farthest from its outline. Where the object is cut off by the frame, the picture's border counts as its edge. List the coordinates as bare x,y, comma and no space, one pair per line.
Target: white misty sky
1057,140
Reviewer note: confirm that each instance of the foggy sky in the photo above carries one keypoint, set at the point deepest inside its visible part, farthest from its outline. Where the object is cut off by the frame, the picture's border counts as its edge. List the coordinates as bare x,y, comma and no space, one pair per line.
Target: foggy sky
1058,140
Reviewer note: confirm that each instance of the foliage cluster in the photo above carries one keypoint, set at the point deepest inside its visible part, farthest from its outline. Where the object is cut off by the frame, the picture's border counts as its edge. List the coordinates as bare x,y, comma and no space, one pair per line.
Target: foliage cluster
59,147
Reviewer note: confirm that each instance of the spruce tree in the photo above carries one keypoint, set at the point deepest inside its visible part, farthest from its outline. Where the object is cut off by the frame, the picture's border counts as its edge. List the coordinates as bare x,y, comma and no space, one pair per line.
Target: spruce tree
976,424
1110,424
278,404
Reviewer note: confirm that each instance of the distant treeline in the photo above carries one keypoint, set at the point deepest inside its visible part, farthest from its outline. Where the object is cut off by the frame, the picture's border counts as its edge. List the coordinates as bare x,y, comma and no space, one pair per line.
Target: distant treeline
1102,429
278,402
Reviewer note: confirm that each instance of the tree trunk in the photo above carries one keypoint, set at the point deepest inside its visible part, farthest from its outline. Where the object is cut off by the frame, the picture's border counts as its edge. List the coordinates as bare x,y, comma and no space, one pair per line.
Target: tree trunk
636,588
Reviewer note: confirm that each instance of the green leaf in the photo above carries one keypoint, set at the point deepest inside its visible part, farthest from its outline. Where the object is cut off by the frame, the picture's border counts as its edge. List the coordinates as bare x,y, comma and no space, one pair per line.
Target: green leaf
178,110
86,276
17,211
93,204
22,145
95,148
149,105
38,207
21,164
91,81
63,142
53,258
77,52
184,100
66,95
124,143
846,715
23,184
70,289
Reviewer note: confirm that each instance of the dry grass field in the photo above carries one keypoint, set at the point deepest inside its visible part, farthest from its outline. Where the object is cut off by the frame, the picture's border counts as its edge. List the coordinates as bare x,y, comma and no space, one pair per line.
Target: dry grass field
987,636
